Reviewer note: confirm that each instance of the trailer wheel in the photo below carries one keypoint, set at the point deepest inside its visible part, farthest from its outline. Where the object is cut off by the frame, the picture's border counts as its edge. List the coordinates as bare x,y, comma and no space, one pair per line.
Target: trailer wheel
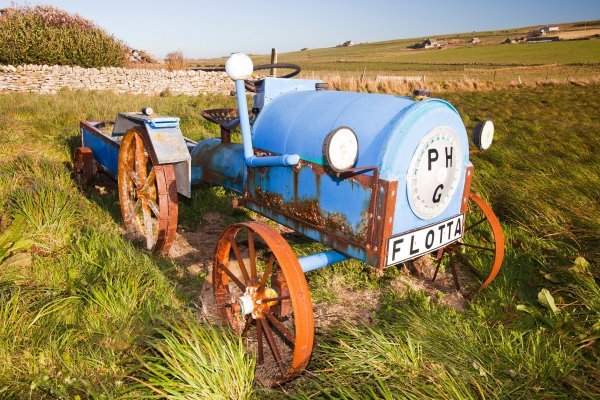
86,171
147,194
476,259
261,293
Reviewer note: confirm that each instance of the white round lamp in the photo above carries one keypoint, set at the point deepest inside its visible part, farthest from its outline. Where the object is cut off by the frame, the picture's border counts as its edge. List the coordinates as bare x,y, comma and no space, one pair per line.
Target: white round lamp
239,66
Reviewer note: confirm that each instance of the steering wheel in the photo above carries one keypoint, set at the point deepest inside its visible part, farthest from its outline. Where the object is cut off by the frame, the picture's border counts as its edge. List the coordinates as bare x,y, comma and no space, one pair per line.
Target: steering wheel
252,84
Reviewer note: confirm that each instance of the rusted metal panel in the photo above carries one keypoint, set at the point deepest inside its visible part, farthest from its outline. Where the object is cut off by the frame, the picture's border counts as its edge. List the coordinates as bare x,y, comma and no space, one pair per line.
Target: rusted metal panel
383,219
467,189
339,211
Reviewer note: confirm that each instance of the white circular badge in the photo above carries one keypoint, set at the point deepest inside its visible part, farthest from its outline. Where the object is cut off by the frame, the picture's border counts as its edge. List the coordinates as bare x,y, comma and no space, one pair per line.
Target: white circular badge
434,172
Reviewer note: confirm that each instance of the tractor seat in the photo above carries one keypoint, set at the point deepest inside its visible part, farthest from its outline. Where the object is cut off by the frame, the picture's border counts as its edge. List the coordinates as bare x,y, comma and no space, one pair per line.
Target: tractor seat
227,118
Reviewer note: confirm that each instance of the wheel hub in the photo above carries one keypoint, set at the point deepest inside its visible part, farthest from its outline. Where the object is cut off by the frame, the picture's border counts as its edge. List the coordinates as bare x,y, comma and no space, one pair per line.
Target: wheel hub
253,302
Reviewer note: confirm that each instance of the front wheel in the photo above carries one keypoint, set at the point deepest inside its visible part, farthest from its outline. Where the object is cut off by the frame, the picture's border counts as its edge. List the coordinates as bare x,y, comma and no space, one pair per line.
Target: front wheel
261,293
476,259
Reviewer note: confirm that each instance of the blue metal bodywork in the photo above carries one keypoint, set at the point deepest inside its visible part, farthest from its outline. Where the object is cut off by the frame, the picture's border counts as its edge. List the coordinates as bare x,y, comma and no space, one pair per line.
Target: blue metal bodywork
219,164
104,147
345,212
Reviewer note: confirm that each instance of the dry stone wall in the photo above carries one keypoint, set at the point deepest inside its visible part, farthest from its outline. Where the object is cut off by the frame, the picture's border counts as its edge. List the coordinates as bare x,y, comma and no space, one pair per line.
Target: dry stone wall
50,79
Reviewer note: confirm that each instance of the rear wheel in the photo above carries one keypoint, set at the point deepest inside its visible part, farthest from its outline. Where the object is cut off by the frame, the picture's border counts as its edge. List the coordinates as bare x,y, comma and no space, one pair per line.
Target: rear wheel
476,259
147,194
261,293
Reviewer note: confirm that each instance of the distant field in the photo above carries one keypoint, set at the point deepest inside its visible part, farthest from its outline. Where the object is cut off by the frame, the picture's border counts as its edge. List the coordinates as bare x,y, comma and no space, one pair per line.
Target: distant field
485,61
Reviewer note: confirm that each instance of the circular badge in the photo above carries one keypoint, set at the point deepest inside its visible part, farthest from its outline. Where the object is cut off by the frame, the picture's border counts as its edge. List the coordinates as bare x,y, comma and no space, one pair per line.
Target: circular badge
434,172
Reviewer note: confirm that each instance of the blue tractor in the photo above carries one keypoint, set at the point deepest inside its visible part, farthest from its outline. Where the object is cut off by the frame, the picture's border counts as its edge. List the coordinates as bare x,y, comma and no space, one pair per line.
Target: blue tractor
380,178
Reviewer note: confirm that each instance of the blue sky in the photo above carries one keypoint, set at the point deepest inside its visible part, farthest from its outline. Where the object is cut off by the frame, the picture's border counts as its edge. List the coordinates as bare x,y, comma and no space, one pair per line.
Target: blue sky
218,27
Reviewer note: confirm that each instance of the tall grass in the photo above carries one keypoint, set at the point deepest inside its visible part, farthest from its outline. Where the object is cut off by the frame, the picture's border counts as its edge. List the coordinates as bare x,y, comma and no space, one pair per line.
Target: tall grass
87,314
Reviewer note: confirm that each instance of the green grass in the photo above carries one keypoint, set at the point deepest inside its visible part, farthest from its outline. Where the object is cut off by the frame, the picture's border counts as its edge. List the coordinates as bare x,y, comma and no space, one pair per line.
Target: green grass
85,314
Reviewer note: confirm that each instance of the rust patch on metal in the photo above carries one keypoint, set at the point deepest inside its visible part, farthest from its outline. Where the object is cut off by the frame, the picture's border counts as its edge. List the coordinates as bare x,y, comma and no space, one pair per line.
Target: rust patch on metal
309,211
384,219
467,189
85,166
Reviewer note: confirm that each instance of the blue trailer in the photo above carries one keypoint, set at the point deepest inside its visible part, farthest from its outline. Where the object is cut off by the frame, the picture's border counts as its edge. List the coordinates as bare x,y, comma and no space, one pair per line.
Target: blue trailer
379,178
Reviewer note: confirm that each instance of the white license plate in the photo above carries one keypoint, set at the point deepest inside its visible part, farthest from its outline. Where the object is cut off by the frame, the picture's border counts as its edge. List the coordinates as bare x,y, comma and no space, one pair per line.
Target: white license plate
409,245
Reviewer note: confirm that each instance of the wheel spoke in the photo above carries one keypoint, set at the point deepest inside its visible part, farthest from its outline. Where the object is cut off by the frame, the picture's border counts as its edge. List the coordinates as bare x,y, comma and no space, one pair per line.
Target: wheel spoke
437,268
148,225
141,160
252,256
240,260
133,176
154,207
265,276
247,326
454,272
271,299
492,250
134,210
279,327
471,267
259,340
233,277
150,179
475,224
273,345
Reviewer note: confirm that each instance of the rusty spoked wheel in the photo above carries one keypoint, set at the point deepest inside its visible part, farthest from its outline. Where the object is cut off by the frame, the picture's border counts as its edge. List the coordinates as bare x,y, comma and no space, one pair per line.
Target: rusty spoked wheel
476,259
261,293
147,194
85,167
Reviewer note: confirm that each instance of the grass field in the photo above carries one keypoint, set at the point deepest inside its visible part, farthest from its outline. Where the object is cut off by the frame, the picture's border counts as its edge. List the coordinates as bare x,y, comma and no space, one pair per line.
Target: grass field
85,314
487,61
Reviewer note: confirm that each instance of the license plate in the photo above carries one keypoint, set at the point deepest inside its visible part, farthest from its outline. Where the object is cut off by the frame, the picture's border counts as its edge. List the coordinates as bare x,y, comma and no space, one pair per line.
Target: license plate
413,244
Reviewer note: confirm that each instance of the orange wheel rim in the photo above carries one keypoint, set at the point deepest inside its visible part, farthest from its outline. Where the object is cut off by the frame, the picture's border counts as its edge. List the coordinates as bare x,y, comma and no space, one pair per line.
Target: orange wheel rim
282,317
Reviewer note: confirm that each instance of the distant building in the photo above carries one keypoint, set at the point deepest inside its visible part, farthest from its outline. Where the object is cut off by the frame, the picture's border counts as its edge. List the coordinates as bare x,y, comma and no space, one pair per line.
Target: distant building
429,44
549,28
304,49
509,41
474,40
348,44
538,33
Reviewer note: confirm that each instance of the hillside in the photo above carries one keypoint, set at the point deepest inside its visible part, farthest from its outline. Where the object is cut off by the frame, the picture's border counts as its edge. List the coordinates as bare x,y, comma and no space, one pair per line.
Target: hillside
485,60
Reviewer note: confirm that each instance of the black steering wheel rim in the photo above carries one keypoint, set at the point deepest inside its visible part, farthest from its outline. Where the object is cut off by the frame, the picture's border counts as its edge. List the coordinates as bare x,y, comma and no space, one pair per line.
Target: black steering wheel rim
252,84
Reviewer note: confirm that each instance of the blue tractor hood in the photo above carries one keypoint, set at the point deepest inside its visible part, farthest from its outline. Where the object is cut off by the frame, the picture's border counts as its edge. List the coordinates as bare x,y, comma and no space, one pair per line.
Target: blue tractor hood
389,128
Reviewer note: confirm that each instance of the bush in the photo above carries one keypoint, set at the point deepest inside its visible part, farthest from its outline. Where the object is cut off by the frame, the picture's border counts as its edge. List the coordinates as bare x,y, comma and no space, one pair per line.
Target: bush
48,35
175,61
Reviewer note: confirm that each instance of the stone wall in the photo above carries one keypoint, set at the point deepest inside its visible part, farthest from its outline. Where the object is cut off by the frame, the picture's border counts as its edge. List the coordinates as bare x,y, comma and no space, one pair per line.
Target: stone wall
49,79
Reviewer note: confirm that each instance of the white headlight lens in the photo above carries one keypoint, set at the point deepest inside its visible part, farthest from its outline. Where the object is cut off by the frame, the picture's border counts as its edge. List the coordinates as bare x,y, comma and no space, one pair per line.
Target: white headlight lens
147,111
483,134
340,149
239,66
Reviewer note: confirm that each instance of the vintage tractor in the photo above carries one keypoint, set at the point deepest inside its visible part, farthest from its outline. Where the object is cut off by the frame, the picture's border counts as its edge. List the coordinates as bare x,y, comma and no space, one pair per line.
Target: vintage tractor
380,178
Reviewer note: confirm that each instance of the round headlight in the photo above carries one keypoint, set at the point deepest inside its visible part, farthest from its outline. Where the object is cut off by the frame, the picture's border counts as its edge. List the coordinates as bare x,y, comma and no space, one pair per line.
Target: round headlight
483,134
340,149
147,111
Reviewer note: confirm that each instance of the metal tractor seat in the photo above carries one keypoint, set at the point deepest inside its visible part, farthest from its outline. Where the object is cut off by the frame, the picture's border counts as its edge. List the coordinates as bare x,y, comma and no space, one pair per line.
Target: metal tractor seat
227,118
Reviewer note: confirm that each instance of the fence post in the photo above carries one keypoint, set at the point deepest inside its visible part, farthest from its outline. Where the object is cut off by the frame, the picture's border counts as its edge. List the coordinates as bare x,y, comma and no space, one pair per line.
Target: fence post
274,61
